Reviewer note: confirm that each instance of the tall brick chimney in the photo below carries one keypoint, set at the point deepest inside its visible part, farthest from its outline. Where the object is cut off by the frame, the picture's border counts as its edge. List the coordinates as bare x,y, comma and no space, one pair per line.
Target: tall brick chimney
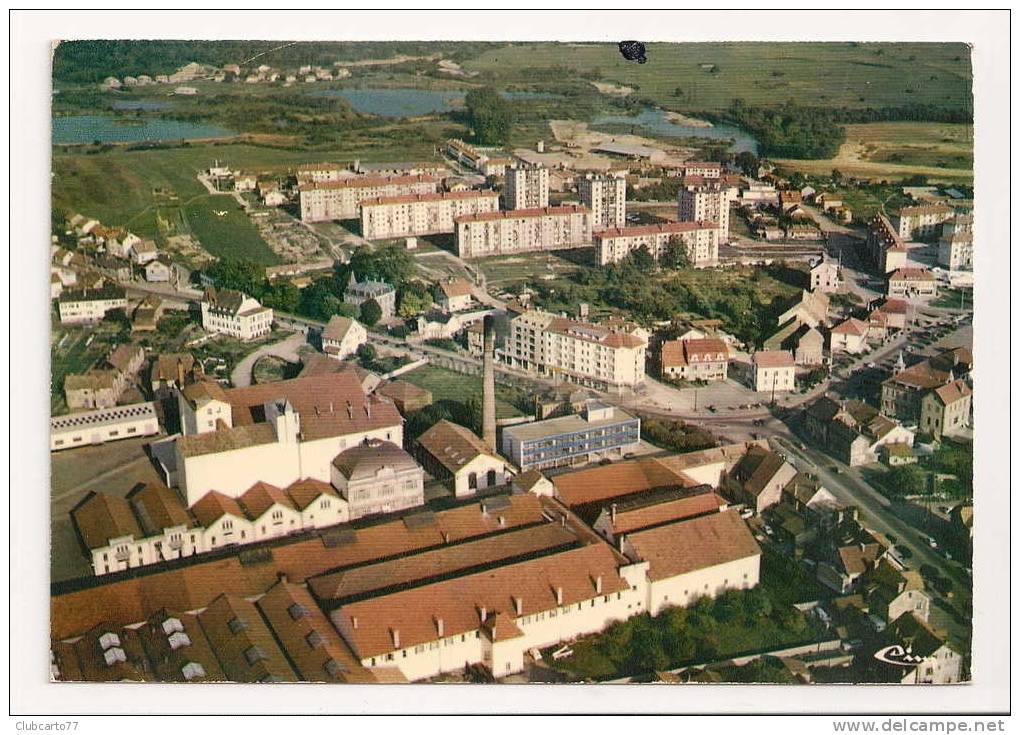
489,383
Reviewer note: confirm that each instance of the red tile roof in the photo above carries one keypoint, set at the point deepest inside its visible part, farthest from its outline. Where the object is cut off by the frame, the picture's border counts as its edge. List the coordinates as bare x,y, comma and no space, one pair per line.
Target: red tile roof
101,517
695,544
773,359
458,603
365,182
615,480
437,197
665,227
522,213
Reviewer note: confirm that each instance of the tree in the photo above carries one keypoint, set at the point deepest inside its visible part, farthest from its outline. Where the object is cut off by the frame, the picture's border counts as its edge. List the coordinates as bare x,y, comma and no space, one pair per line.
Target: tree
371,313
748,163
390,264
642,259
906,480
366,352
677,255
490,116
413,299
646,650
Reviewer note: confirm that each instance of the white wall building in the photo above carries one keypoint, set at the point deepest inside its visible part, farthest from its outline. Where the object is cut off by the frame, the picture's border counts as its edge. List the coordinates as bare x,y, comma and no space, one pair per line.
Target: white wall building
328,200
276,432
106,424
700,238
422,214
605,195
527,186
522,231
235,314
89,305
342,337
773,371
705,200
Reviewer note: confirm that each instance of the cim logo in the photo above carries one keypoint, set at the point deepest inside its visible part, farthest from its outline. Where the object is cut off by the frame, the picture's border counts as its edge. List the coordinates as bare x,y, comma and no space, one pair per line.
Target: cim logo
898,656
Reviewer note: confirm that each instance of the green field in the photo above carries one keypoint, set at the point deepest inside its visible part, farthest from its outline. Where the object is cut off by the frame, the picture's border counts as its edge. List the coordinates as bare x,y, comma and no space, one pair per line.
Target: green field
896,150
814,74
507,271
447,385
229,235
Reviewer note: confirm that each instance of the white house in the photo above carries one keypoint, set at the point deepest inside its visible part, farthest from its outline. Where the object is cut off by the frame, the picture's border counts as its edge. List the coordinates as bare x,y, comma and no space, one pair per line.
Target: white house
342,337
454,454
143,251
454,294
849,336
773,371
235,314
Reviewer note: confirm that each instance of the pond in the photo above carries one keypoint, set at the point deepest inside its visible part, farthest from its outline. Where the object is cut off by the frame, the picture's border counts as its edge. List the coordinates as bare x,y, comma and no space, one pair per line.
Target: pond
655,122
406,102
106,129
139,105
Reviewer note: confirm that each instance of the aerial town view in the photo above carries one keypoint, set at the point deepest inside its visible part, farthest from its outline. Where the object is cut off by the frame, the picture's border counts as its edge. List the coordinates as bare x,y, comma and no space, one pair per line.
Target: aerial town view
387,362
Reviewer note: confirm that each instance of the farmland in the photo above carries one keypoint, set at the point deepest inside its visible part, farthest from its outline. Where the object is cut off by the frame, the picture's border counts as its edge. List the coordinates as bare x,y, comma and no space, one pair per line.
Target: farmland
708,76
940,151
225,231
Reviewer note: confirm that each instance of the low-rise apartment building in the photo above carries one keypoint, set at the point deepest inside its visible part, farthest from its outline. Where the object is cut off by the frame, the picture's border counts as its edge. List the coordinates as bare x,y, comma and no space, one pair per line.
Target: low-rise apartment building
912,282
921,221
235,314
701,240
90,305
329,200
522,231
956,244
824,276
377,476
598,431
382,293
695,359
607,357
422,214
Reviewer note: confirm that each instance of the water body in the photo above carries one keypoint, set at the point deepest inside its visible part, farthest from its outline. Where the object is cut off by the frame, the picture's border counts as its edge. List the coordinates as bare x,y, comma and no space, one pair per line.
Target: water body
139,105
106,129
397,102
406,102
655,122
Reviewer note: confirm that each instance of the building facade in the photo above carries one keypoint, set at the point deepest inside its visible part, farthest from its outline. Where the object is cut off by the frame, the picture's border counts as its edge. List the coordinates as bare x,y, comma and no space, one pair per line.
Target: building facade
329,200
235,314
609,357
695,359
705,200
527,187
773,371
422,214
885,245
342,337
90,305
598,431
522,231
605,196
945,410
99,427
921,221
377,476
383,293
700,238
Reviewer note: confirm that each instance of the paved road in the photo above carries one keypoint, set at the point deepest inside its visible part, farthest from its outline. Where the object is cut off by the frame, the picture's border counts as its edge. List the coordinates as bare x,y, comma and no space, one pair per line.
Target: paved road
286,350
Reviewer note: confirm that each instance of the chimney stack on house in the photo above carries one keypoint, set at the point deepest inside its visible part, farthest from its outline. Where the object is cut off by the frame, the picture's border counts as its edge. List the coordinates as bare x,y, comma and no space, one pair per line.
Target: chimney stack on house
354,622
396,638
598,585
519,605
489,382
440,630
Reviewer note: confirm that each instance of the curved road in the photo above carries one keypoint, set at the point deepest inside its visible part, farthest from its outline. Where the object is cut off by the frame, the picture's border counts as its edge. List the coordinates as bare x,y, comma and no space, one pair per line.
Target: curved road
286,350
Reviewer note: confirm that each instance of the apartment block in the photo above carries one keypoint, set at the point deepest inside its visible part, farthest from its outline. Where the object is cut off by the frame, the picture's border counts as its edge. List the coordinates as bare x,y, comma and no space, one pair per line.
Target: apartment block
702,199
956,244
527,187
605,195
422,214
885,245
700,238
329,200
522,231
921,221
605,357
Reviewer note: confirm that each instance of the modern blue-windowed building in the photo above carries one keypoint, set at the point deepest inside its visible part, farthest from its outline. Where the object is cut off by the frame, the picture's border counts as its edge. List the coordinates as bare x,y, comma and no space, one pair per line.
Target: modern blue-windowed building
599,431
